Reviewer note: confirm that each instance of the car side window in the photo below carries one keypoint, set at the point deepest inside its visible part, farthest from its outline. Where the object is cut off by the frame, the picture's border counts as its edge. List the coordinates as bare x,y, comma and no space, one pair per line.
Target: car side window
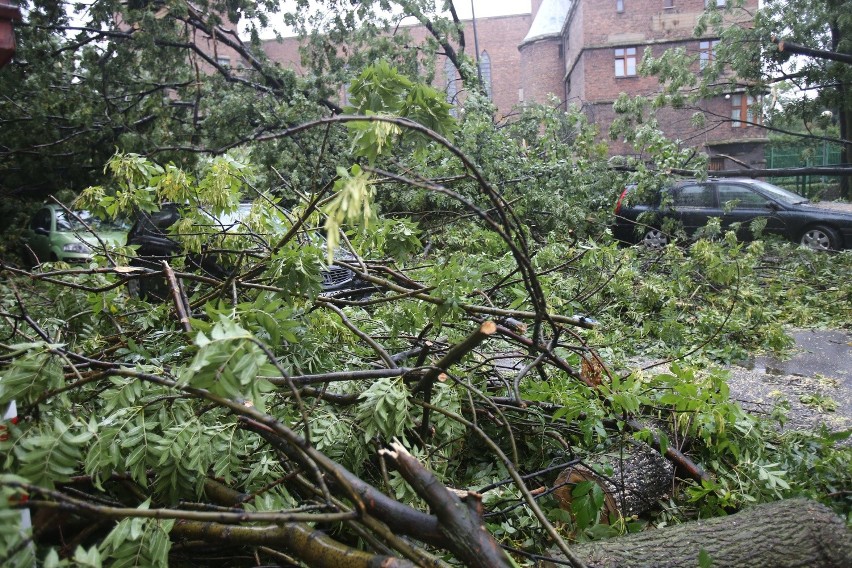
694,195
734,196
41,220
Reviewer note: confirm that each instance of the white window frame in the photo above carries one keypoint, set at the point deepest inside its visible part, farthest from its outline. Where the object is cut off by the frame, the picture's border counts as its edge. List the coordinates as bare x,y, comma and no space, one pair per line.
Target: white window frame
625,62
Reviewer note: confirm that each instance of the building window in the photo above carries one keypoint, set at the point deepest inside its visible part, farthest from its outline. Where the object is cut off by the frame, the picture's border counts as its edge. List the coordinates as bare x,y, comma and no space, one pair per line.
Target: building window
742,113
668,4
485,72
625,62
718,3
619,6
223,61
707,52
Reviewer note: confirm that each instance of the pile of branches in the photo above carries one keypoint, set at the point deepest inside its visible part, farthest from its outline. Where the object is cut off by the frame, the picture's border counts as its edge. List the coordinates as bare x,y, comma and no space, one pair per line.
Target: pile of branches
207,426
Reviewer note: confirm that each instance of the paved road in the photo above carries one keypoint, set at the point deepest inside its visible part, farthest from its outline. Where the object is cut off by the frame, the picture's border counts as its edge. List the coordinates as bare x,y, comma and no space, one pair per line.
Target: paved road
820,370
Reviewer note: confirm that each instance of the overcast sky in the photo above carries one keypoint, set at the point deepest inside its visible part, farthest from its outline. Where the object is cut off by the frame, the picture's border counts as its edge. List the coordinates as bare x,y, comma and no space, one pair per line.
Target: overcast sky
492,7
483,8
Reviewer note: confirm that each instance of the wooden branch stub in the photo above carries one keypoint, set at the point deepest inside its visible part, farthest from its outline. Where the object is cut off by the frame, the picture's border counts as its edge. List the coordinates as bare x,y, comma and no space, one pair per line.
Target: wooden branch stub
640,478
790,47
455,354
684,464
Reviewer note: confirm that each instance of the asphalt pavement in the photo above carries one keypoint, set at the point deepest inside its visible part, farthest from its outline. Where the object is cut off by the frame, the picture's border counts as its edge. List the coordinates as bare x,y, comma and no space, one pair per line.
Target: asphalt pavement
816,381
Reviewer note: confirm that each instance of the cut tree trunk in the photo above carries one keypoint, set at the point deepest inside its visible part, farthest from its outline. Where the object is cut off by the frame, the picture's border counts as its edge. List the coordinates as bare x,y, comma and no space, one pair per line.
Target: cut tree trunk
786,534
640,478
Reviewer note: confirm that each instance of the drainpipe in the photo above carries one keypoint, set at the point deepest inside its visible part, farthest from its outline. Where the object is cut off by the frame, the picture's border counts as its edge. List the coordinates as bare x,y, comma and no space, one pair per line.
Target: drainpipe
476,43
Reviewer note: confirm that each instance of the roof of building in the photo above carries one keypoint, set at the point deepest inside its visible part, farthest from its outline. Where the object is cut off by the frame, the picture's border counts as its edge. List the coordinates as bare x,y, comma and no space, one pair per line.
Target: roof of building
548,20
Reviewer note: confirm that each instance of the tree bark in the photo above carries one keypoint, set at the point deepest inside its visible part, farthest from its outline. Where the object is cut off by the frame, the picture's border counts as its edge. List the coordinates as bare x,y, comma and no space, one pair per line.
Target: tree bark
785,534
640,478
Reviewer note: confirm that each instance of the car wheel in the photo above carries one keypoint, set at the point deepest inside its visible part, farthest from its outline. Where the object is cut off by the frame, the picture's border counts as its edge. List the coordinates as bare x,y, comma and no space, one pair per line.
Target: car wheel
820,237
654,239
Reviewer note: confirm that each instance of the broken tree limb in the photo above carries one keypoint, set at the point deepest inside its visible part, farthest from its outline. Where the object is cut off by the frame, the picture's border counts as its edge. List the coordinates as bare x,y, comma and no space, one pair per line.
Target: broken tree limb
404,519
578,321
453,356
640,478
456,352
790,47
684,464
794,533
551,357
460,521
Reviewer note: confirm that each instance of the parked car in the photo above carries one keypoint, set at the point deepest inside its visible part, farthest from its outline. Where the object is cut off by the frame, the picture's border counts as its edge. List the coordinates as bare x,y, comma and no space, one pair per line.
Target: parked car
150,233
736,202
52,234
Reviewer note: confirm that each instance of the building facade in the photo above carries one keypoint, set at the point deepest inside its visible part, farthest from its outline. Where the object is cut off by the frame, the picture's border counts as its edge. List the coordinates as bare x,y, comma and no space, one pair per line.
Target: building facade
587,52
600,44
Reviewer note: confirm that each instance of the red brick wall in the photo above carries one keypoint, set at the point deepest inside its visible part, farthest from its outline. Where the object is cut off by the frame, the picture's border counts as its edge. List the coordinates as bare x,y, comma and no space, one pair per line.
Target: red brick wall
586,68
599,78
596,30
677,124
8,14
285,53
499,36
645,20
542,70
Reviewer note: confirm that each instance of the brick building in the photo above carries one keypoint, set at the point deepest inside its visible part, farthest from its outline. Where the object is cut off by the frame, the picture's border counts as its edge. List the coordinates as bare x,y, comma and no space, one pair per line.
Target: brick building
498,39
587,52
600,43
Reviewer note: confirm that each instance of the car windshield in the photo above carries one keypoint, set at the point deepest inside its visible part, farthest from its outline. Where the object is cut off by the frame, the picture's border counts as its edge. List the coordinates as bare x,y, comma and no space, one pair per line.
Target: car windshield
229,219
778,193
66,222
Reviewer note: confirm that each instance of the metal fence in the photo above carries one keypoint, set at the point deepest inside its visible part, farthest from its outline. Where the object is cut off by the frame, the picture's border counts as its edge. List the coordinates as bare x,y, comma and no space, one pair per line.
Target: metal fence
800,155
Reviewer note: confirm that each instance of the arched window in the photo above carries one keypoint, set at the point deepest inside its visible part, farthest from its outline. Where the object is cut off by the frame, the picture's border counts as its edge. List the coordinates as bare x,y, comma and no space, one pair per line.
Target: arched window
485,72
452,84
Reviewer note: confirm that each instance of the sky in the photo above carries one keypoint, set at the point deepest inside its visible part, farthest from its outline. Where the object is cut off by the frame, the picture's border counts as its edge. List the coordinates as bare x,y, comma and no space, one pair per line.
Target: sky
483,9
492,7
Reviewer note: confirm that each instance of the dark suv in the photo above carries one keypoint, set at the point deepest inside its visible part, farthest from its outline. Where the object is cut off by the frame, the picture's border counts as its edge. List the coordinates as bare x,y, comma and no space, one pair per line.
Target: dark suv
736,202
156,243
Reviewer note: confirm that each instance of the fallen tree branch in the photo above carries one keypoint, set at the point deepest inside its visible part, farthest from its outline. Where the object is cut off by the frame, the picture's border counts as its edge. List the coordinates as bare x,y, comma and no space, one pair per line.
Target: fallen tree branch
783,534
459,521
790,47
313,546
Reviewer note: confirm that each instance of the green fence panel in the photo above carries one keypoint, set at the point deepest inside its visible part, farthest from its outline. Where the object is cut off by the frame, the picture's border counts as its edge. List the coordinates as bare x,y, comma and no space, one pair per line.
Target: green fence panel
801,155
